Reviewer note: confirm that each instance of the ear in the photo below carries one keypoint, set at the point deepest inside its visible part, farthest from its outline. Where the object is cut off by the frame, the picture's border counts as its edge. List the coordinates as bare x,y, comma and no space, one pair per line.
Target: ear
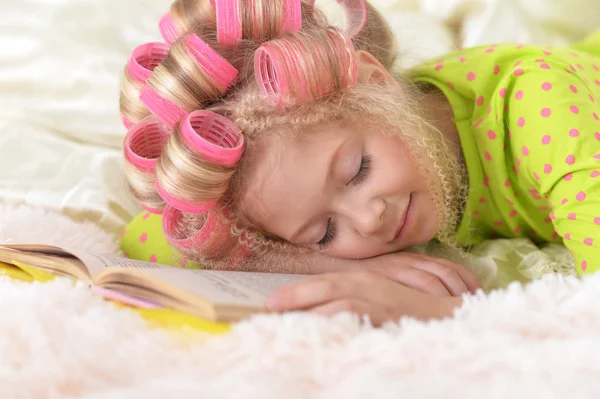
371,71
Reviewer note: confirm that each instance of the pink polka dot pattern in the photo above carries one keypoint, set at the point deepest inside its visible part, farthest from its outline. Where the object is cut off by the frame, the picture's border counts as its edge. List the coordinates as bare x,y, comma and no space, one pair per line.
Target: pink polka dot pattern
574,132
584,265
526,109
146,216
153,258
570,160
143,238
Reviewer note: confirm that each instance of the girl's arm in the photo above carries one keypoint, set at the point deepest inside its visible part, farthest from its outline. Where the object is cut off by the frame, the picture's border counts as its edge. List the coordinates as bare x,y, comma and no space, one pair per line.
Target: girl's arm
428,274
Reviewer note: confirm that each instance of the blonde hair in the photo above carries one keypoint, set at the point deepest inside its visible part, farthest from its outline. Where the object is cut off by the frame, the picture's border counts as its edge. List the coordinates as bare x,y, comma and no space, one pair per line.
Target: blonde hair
326,95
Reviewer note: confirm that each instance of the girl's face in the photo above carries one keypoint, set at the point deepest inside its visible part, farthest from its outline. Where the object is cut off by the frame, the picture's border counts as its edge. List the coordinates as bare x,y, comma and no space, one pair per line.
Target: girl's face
347,191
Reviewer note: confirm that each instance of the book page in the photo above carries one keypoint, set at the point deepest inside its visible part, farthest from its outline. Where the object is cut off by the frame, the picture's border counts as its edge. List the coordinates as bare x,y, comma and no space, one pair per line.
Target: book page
98,263
214,286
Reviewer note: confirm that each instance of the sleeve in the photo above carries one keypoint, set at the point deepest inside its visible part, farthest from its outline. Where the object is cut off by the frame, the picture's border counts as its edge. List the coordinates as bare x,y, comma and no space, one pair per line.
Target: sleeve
554,129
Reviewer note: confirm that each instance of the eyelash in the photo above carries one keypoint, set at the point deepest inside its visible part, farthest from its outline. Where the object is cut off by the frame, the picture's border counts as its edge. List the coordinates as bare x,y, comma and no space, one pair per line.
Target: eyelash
365,165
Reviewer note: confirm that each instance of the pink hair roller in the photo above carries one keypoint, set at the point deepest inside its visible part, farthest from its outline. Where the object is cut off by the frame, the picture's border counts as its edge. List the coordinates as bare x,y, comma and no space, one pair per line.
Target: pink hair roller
183,204
142,147
229,22
144,143
213,64
279,75
356,14
216,138
126,122
210,231
169,112
167,28
171,218
144,59
292,16
222,73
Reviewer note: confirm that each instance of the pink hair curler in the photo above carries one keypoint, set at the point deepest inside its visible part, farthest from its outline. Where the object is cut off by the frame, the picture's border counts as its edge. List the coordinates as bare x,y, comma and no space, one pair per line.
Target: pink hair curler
167,28
210,235
183,204
169,112
144,59
144,143
213,64
142,147
279,75
356,14
171,218
216,138
270,76
126,122
229,22
292,16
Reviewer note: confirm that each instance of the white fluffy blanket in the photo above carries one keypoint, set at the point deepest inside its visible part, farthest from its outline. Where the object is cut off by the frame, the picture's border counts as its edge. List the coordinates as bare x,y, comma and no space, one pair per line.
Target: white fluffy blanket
60,341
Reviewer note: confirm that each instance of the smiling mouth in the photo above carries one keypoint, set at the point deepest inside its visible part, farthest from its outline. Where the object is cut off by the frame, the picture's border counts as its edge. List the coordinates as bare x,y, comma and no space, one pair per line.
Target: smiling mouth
403,222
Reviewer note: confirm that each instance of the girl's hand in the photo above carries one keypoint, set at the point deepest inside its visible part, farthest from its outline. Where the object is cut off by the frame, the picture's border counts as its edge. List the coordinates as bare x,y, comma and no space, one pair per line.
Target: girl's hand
435,276
363,293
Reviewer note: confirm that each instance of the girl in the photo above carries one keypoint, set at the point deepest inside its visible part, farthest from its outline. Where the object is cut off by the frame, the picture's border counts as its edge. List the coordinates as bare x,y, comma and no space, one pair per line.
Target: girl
261,138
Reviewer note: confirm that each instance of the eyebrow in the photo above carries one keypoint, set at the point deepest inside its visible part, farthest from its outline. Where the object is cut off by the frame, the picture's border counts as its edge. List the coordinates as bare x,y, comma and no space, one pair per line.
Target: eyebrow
333,161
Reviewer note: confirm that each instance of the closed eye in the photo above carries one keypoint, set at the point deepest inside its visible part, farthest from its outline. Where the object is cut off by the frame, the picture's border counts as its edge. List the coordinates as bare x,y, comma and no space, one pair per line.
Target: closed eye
363,170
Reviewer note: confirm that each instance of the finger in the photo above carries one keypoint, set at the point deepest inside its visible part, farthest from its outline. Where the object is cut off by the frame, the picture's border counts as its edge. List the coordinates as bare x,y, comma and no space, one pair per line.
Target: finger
447,275
361,307
466,275
417,279
318,290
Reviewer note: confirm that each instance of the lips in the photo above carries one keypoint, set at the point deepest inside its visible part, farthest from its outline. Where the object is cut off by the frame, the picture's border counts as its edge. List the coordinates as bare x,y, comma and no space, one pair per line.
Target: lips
403,221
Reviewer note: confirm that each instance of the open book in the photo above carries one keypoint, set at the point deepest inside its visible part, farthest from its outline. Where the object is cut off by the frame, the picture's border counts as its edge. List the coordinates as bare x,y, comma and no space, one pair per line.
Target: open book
210,294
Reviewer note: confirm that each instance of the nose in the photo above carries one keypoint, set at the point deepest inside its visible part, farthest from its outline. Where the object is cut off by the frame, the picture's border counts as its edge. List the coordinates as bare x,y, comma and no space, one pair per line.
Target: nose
368,217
